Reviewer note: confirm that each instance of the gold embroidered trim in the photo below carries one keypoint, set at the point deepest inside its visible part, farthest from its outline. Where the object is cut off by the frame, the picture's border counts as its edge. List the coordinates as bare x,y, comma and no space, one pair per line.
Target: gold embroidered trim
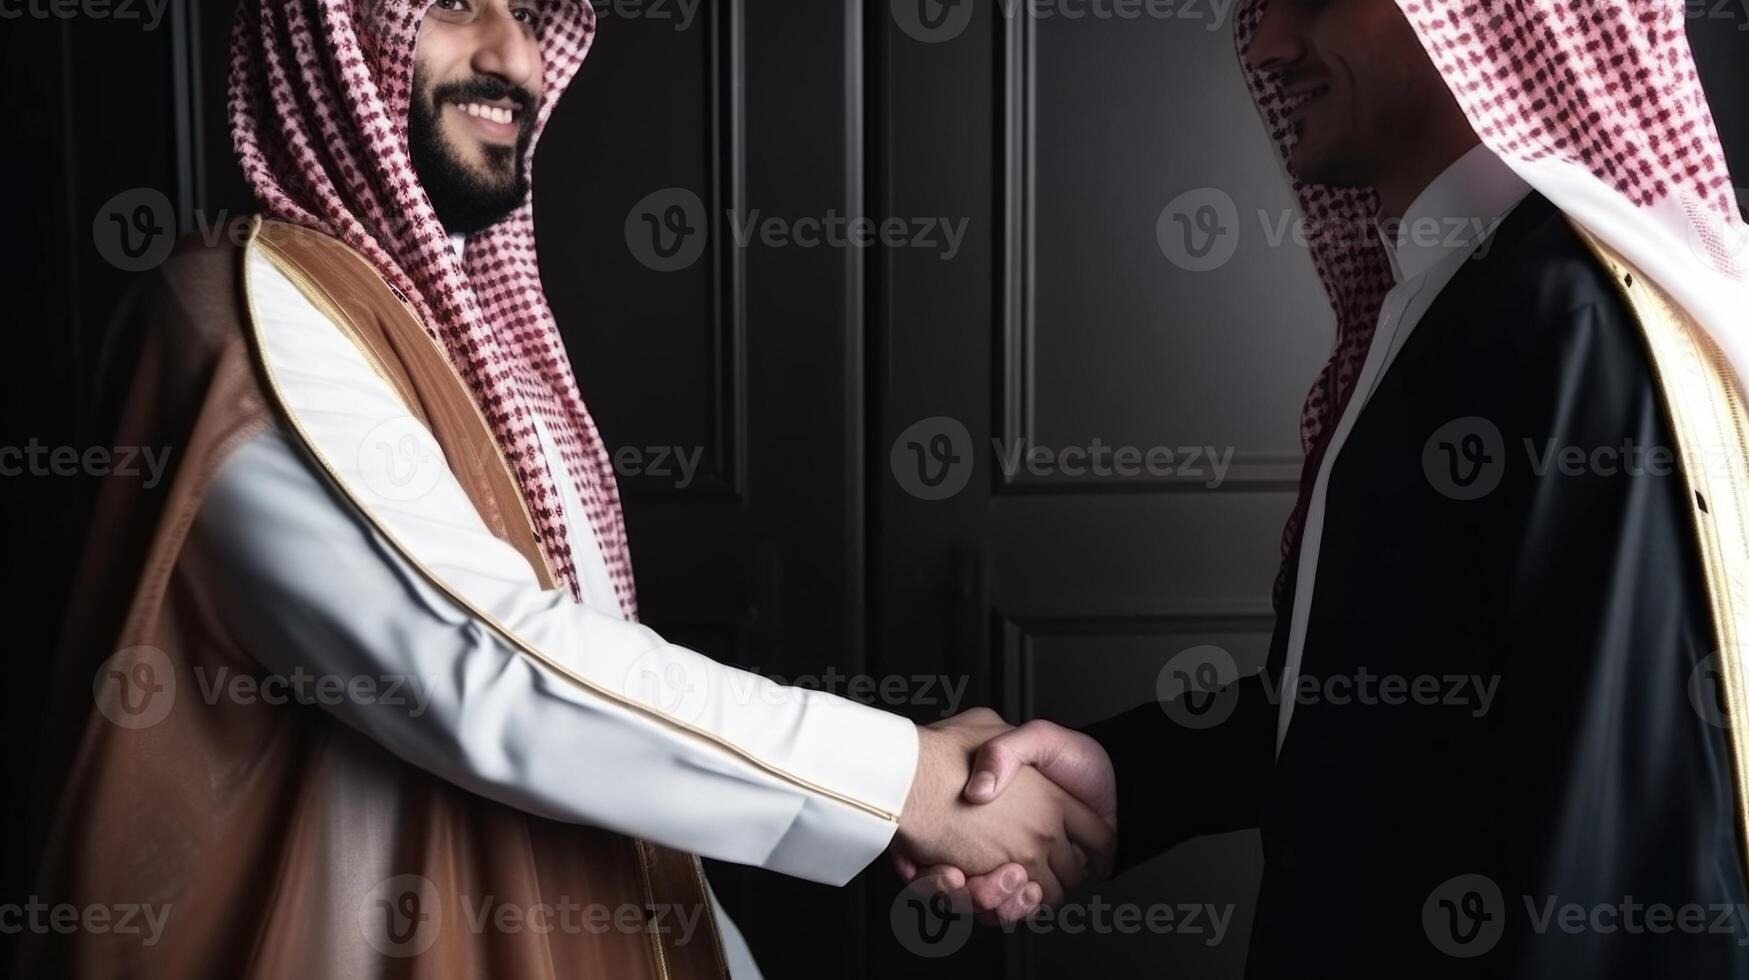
1705,400
504,632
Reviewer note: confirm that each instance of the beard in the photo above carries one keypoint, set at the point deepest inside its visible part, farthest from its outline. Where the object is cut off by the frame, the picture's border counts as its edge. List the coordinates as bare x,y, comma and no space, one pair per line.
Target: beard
466,197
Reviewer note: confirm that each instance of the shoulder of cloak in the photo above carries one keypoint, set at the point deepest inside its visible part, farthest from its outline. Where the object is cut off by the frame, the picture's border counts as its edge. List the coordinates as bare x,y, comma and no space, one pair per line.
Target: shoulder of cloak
349,292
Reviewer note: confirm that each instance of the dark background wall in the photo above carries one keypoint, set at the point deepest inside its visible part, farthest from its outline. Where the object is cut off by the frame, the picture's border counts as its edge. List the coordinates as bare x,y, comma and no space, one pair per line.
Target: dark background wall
800,377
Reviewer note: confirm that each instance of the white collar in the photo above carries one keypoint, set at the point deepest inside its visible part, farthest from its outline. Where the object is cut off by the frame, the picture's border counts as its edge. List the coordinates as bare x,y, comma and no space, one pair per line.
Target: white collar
459,244
1453,213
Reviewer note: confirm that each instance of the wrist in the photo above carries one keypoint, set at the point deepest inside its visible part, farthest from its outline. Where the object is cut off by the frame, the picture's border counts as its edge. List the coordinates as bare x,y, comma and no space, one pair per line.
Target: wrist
934,754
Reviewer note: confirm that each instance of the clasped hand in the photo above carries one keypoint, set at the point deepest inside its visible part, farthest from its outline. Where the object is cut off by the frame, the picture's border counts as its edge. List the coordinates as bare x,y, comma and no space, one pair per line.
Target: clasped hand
1013,816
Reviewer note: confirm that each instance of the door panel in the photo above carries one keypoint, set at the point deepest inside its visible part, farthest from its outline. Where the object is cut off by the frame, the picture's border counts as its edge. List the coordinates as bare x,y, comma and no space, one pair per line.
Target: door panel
1066,325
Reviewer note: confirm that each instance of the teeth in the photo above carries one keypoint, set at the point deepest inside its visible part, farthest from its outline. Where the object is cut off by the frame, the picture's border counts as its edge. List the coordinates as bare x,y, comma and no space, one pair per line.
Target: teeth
490,112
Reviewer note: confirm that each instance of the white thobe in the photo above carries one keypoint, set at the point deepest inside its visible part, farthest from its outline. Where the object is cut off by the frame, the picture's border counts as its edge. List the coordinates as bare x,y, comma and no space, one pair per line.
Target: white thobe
721,763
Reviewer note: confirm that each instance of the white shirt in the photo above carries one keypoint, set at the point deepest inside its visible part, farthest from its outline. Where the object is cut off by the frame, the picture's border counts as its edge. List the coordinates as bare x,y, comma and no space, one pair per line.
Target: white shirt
1439,232
586,555
563,709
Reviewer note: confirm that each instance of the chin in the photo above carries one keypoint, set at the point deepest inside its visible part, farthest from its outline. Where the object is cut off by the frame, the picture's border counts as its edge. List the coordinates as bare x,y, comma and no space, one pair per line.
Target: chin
1316,164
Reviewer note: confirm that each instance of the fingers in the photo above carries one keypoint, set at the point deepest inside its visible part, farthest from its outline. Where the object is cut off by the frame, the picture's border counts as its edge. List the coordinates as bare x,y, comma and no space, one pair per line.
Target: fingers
903,866
988,892
997,762
1044,876
1089,832
941,878
1069,871
1022,904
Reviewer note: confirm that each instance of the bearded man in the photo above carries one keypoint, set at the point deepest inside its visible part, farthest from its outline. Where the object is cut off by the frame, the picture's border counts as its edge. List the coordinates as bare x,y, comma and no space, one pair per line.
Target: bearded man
1551,269
367,674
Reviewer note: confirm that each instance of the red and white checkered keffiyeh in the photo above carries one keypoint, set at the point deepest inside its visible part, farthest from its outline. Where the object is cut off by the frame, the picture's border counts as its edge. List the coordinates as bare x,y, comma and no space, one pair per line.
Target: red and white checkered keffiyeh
1597,105
319,99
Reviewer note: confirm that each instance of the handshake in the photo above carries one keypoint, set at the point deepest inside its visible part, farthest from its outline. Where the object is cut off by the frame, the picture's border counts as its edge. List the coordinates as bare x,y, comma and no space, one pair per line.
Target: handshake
1014,817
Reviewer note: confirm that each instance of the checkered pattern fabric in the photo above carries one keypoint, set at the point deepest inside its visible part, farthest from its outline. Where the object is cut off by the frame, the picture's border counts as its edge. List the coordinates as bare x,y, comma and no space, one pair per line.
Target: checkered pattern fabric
1609,85
319,99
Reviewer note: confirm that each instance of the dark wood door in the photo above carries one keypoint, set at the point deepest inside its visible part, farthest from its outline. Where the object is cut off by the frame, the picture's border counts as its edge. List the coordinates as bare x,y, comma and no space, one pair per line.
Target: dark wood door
1117,408
817,426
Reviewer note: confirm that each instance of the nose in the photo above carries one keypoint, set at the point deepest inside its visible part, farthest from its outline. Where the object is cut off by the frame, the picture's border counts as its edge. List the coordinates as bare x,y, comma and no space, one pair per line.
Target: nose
507,48
1277,43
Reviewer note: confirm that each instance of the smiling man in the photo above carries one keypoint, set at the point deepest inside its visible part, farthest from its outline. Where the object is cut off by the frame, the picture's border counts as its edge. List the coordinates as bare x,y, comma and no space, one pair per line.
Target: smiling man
1578,809
472,119
386,488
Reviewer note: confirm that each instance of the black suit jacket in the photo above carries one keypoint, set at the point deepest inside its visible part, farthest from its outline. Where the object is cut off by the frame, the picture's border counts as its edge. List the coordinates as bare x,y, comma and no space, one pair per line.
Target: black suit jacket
1506,510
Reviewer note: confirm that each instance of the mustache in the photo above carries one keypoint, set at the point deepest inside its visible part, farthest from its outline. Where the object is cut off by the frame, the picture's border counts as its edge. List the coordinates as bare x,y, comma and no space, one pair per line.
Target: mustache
485,89
1296,75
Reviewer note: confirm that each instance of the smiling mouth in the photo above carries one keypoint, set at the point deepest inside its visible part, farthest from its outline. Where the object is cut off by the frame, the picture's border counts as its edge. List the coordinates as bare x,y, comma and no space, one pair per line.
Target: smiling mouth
497,122
1304,99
